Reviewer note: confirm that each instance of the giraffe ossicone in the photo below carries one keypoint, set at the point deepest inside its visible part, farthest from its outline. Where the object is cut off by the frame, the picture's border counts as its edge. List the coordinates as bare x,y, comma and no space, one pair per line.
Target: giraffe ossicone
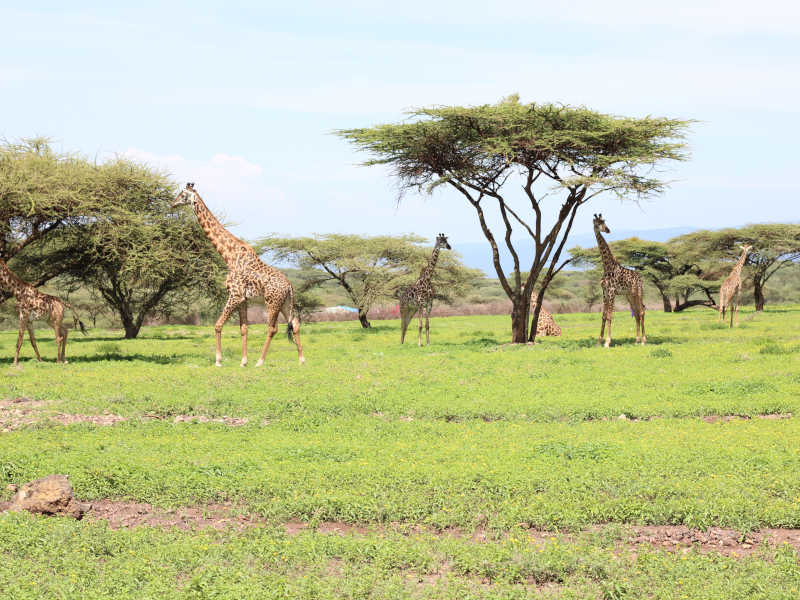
248,277
418,298
617,279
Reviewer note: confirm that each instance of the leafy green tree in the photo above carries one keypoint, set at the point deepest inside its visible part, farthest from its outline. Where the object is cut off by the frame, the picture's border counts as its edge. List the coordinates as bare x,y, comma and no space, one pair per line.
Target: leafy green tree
548,149
369,269
776,246
41,193
676,274
138,254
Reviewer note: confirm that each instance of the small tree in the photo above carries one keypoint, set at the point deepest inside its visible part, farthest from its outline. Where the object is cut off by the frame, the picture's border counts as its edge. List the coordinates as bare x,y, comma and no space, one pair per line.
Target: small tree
368,269
776,246
675,275
139,255
575,152
41,192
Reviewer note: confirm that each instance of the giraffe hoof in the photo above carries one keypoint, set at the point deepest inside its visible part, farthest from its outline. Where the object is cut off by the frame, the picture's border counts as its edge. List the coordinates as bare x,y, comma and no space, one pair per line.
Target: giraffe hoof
260,363
244,363
303,360
217,364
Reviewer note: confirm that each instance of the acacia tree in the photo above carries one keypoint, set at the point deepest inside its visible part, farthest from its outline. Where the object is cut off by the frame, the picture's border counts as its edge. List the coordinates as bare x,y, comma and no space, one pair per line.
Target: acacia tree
41,192
572,151
675,275
368,269
776,246
140,255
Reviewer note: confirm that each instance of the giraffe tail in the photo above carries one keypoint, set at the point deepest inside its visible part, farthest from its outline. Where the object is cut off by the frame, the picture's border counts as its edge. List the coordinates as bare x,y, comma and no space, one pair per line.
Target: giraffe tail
290,320
78,324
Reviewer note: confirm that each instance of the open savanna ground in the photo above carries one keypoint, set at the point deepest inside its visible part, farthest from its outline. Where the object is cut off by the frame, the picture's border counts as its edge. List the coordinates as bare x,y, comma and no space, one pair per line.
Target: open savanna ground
468,468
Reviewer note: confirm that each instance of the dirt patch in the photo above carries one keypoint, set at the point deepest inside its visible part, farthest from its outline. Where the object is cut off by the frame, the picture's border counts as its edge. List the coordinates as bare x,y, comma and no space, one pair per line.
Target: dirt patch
134,514
230,421
714,539
18,412
103,420
229,516
728,418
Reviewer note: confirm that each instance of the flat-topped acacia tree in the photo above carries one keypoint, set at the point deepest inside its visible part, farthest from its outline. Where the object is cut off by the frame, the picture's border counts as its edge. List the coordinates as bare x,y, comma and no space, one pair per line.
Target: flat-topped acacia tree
549,149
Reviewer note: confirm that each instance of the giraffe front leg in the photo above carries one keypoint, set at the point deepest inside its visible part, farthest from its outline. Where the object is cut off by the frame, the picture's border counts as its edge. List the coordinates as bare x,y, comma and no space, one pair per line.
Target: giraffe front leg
243,330
419,331
230,305
272,329
22,326
644,337
609,318
428,326
64,332
33,342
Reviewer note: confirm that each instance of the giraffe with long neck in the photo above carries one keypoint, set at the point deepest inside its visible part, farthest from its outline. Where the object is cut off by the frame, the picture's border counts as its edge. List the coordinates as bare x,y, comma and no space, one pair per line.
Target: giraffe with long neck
33,304
732,287
616,279
419,297
248,277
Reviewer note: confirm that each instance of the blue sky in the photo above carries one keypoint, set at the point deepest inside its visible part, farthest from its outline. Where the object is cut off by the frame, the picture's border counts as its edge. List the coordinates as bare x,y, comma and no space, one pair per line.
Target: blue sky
241,97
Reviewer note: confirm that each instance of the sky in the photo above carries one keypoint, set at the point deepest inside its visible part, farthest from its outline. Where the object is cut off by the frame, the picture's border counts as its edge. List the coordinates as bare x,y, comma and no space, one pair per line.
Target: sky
242,97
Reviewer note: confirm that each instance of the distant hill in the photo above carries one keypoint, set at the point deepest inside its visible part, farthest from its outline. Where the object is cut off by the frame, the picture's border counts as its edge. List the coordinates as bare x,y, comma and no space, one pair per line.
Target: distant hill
478,255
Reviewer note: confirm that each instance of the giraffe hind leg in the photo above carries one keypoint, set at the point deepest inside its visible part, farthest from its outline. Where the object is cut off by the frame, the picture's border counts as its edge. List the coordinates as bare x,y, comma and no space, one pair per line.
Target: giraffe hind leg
230,306
243,330
22,326
405,318
272,329
33,342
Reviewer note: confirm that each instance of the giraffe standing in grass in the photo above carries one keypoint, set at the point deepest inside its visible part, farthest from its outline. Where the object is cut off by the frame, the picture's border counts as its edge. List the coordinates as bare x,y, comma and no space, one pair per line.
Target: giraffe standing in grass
732,287
618,279
33,304
419,297
248,277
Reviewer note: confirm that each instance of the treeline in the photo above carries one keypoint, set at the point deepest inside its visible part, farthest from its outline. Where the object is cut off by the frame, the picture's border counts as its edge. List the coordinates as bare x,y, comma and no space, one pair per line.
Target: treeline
688,270
105,236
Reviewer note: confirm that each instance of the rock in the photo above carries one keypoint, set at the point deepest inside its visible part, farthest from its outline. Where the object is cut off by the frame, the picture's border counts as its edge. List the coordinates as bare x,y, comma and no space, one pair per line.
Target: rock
51,495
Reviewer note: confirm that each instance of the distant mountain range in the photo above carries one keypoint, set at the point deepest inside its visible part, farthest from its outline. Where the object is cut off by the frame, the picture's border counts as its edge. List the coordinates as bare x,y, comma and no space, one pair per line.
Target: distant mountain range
478,255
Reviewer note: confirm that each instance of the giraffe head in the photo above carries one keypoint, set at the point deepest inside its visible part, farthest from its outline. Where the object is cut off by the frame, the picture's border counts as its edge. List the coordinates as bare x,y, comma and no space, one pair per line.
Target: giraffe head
600,224
441,241
186,196
746,248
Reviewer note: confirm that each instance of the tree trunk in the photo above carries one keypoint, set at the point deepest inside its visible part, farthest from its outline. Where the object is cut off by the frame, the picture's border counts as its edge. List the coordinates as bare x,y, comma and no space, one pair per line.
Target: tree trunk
519,321
758,293
362,316
129,323
689,303
667,303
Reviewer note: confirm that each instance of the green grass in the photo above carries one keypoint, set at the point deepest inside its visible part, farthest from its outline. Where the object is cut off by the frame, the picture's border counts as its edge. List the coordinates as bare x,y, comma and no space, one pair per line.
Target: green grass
465,432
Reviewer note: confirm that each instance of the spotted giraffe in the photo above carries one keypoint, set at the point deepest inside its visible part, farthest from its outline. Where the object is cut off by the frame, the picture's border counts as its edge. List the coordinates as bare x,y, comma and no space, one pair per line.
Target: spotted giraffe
731,287
546,324
419,297
248,277
33,304
618,279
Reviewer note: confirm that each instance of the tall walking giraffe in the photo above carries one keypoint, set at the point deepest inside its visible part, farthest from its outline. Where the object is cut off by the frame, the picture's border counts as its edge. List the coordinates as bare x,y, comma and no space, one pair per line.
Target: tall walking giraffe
731,287
33,304
618,279
248,277
419,297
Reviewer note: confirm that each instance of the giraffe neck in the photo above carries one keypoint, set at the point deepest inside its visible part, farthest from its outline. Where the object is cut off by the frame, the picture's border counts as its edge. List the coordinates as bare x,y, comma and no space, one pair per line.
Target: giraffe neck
609,262
10,282
427,270
737,269
223,240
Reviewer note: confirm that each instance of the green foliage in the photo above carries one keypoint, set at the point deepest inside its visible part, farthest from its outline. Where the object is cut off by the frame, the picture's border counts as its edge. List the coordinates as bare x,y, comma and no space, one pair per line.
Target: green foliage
477,150
369,269
414,445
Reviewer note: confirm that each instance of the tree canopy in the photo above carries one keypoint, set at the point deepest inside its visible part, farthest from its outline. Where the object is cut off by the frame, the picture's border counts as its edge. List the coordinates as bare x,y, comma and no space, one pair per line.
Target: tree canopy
369,268
776,246
549,149
138,254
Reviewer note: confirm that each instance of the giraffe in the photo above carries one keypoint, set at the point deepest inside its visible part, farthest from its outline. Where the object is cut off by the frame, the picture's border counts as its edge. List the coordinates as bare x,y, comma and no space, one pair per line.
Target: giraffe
731,287
248,277
33,304
546,325
617,278
419,297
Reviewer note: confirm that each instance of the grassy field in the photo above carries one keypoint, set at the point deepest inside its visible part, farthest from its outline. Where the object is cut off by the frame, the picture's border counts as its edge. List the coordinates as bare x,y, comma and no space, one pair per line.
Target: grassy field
468,468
